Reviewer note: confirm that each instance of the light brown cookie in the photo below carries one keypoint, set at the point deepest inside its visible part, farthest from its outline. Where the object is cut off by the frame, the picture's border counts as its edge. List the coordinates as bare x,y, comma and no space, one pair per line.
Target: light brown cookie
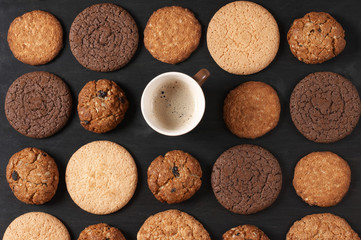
175,177
172,225
323,226
243,37
245,232
172,34
322,179
36,37
251,110
36,225
316,38
101,177
101,231
102,105
32,176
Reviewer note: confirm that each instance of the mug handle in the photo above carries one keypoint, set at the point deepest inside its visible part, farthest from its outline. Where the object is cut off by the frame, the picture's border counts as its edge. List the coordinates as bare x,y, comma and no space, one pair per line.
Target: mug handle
201,76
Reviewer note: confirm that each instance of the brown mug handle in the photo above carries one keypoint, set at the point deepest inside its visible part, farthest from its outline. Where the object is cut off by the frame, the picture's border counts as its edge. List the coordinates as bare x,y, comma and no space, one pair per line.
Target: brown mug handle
201,76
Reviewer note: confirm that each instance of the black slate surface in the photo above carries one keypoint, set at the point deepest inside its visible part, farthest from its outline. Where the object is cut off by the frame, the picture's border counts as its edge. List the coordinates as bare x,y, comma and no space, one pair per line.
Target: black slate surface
206,142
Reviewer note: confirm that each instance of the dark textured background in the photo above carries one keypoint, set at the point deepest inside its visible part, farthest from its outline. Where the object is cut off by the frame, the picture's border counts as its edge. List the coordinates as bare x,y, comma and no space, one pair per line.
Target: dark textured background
206,142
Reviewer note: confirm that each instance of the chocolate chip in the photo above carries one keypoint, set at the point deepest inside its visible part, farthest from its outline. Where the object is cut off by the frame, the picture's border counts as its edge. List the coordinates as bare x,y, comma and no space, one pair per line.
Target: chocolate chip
319,30
122,100
44,154
15,175
175,171
101,94
237,234
86,122
173,190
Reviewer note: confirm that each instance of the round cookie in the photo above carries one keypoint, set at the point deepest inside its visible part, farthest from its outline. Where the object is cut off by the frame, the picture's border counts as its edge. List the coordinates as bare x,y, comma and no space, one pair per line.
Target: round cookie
322,179
246,179
245,232
243,37
35,38
103,37
172,34
101,177
316,38
101,231
251,110
34,224
175,177
33,176
172,225
323,226
325,107
38,104
101,105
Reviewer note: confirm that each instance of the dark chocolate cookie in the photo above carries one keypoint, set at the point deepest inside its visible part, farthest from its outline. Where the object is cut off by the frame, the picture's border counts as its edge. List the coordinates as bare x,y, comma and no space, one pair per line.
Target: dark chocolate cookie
101,231
32,176
38,104
101,105
325,107
103,37
175,177
246,179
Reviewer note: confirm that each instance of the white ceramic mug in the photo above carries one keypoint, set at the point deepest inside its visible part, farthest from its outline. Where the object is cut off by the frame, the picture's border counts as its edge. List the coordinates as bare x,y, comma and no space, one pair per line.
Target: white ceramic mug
193,85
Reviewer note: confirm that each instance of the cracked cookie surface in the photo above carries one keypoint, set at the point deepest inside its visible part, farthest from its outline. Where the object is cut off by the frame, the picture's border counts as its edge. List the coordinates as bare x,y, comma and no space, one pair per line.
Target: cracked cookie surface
32,176
38,104
323,226
325,107
103,37
172,225
102,105
245,232
316,38
101,231
175,177
246,179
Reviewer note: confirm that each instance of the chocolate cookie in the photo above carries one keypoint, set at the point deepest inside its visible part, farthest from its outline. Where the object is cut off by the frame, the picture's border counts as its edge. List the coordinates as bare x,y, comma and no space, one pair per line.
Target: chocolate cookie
323,226
101,105
38,104
172,34
246,179
315,38
322,179
172,225
32,176
325,107
245,232
103,37
175,177
251,110
101,231
36,37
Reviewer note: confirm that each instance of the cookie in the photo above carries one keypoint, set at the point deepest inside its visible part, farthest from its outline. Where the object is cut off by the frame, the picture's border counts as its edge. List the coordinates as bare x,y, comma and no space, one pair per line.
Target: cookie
101,105
316,38
323,226
322,179
243,37
103,37
101,231
101,177
172,34
325,107
34,224
33,176
245,232
38,104
246,179
172,225
175,177
251,110
36,37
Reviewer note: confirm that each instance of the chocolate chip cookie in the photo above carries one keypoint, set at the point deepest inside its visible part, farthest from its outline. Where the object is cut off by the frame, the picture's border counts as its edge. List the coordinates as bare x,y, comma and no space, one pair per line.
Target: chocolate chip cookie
175,177
246,179
325,107
38,104
101,105
245,232
316,38
32,176
103,37
101,231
